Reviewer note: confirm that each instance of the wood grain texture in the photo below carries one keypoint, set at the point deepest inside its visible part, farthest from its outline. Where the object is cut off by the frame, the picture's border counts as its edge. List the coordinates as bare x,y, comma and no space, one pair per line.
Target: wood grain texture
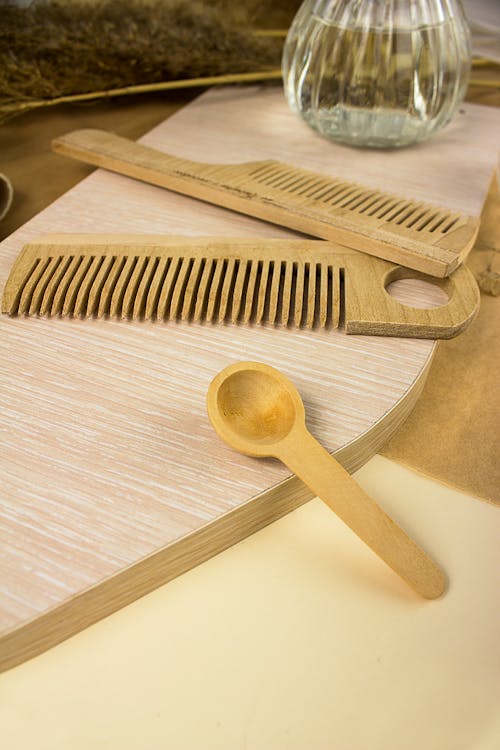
100,499
425,237
298,283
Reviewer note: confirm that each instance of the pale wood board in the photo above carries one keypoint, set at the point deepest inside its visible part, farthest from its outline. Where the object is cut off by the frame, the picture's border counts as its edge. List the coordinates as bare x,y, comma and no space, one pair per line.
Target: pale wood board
113,480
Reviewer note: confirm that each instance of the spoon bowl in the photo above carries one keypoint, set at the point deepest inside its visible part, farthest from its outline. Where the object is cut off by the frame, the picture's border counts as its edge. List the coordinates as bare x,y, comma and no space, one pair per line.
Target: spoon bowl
254,408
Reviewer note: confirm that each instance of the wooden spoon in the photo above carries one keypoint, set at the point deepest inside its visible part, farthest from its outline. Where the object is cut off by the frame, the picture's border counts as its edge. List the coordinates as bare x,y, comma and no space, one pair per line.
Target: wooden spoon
258,411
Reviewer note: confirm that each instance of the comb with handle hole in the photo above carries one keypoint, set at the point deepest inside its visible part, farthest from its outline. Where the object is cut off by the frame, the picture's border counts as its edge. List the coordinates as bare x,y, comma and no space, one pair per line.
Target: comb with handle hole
284,282
418,235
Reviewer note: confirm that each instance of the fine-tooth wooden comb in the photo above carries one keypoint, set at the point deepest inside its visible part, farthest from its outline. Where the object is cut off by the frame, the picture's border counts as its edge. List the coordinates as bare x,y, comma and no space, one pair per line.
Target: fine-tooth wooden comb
281,282
418,235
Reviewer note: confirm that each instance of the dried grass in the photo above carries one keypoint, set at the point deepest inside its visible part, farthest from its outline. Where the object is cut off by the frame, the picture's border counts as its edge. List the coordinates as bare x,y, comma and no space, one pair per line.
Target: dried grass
55,50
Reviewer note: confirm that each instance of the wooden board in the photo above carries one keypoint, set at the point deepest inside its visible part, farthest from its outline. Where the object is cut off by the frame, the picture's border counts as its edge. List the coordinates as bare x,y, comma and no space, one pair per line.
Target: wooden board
113,479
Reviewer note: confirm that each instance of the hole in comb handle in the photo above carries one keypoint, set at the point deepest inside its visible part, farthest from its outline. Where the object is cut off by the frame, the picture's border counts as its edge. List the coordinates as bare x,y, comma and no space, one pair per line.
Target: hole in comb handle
422,293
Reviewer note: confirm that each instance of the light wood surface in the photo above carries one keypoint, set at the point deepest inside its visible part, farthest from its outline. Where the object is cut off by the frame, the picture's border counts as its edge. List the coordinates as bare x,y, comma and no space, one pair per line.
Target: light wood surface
428,238
301,283
113,481
259,412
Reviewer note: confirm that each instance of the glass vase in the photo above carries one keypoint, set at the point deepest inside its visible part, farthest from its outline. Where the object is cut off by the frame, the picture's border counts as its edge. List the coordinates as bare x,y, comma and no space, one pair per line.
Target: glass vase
377,73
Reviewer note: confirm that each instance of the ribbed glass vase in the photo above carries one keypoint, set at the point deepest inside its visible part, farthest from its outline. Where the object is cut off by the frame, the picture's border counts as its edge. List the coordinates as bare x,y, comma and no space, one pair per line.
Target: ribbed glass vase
377,73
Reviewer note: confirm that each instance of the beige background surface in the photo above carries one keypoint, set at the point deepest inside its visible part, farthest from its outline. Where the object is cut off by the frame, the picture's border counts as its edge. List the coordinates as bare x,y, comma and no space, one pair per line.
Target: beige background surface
297,638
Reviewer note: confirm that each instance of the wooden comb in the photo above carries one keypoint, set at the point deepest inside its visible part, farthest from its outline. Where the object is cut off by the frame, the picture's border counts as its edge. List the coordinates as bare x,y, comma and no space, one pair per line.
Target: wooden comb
418,235
287,282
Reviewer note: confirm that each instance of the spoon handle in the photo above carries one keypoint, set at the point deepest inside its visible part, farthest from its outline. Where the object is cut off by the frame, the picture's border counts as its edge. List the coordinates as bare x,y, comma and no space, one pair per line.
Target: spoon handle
302,453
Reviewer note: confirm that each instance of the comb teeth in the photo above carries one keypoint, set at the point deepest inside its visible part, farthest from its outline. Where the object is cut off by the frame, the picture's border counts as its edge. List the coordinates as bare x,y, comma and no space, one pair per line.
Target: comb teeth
313,190
302,294
419,235
289,283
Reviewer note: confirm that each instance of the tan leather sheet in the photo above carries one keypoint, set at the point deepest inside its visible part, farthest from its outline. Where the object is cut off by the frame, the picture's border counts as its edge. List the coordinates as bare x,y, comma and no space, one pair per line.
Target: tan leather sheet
453,434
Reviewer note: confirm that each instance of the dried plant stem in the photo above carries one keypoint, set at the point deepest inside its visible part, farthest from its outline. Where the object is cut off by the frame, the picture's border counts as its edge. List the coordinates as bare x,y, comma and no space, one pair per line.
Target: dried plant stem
265,75
483,62
484,82
277,33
